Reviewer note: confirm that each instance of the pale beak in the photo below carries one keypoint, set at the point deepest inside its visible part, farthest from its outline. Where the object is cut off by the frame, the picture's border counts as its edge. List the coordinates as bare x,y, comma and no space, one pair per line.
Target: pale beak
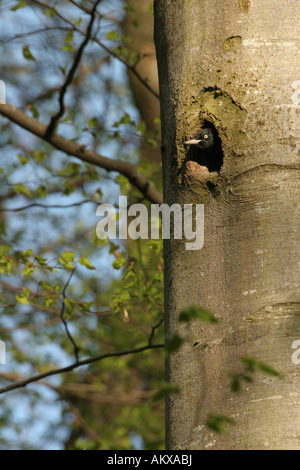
193,141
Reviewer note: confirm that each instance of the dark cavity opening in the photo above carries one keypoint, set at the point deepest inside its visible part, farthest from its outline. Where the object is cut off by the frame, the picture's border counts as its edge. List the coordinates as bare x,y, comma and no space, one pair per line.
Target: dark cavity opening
211,158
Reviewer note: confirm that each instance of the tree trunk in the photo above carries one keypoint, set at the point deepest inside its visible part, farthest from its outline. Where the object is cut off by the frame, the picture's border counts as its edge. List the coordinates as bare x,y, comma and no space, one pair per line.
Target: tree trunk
233,64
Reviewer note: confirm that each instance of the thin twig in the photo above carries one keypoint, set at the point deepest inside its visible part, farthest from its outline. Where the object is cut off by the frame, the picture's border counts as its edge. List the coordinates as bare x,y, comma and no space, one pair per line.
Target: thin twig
153,330
81,7
107,49
32,33
45,206
62,316
75,365
71,74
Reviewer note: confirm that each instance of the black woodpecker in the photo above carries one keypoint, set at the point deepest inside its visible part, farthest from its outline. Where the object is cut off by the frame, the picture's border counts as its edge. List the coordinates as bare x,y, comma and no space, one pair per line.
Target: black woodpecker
203,140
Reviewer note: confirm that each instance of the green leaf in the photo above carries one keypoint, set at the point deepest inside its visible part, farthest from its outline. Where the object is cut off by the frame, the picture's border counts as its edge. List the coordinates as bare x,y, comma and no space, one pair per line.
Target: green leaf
27,53
250,362
141,127
218,423
112,36
49,12
247,378
173,344
4,249
155,245
41,192
119,262
235,385
39,155
23,160
63,69
256,365
27,253
34,111
28,270
124,183
72,169
121,52
151,8
20,4
135,23
128,7
6,265
21,189
165,392
93,122
86,262
66,258
268,370
23,298
152,143
69,37
49,301
196,313
70,304
126,119
86,306
69,188
68,48
55,287
41,261
126,39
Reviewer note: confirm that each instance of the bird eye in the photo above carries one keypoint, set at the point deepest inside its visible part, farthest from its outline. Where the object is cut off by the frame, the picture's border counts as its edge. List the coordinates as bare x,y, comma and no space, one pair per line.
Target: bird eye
205,136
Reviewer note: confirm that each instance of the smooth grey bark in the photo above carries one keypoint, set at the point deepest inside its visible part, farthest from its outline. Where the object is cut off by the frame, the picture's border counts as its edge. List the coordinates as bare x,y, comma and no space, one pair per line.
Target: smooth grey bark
234,64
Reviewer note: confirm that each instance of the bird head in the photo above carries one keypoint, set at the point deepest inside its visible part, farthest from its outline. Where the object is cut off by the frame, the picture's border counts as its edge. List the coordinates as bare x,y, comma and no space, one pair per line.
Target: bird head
203,139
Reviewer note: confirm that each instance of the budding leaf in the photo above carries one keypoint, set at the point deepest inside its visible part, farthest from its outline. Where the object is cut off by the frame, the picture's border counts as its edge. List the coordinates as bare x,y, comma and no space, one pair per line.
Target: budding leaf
20,4
194,312
86,262
27,53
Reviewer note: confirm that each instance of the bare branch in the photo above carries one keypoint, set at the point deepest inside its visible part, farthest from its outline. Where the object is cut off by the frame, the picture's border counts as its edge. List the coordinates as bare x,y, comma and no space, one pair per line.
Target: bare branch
103,46
153,330
71,73
45,206
65,323
75,365
32,33
81,7
71,148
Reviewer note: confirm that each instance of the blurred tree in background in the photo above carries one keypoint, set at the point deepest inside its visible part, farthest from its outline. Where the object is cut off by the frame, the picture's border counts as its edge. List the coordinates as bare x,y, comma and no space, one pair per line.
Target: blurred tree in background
65,295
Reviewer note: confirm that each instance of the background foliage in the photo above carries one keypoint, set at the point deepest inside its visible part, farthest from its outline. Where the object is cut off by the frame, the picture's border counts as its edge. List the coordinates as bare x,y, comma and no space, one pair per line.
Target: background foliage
66,295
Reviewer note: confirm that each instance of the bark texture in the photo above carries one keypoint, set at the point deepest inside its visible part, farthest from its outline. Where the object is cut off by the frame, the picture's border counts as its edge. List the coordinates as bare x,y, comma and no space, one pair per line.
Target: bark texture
233,63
